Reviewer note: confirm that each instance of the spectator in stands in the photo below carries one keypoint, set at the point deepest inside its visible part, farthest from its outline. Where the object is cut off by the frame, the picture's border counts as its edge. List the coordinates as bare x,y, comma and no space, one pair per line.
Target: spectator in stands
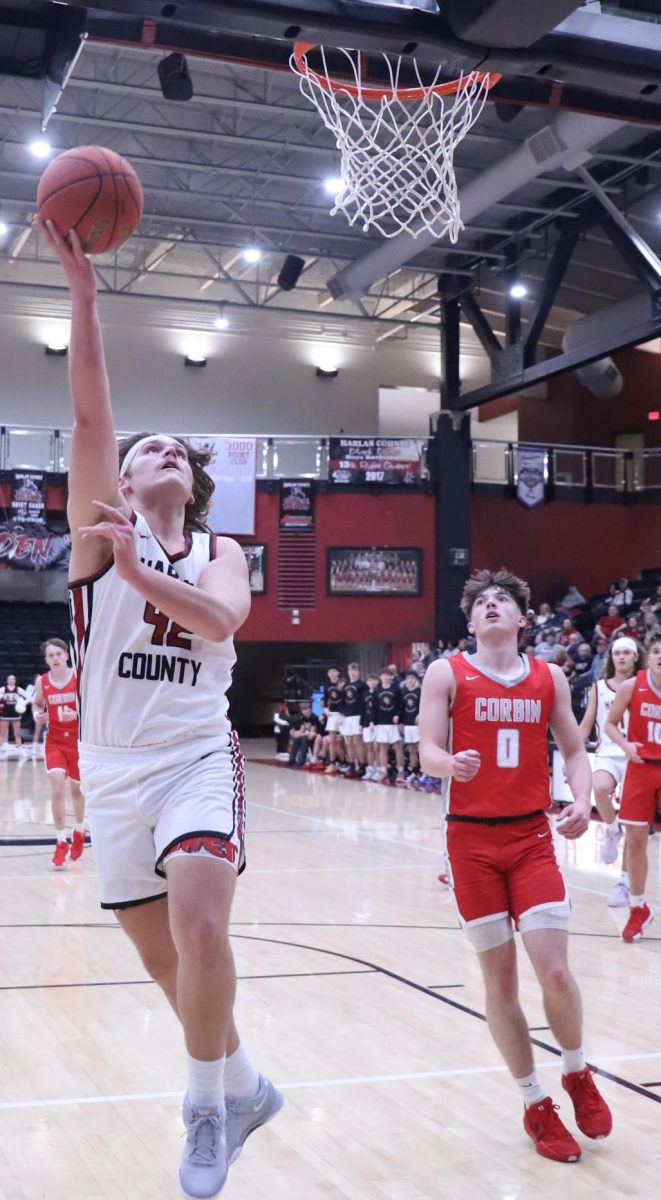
623,595
544,617
13,703
600,657
573,598
649,624
575,640
632,628
431,654
530,630
546,645
566,631
656,607
611,624
583,661
577,688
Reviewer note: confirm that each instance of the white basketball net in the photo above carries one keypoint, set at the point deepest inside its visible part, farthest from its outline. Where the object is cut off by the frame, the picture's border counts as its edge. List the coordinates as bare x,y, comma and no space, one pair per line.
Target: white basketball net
396,155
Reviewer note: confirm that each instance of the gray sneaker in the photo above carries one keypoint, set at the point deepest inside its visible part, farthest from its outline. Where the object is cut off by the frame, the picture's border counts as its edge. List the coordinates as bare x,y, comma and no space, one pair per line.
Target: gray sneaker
610,847
203,1168
245,1116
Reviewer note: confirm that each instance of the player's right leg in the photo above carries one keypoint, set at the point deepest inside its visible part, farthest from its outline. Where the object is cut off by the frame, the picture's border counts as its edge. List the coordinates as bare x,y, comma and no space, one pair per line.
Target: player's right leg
604,785
57,780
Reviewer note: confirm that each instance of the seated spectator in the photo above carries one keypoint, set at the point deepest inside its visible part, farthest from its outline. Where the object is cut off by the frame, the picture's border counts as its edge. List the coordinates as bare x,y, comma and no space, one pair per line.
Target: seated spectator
546,645
656,606
609,625
649,624
530,630
575,640
600,657
623,595
432,653
544,616
632,626
573,598
304,731
583,660
281,722
567,628
578,685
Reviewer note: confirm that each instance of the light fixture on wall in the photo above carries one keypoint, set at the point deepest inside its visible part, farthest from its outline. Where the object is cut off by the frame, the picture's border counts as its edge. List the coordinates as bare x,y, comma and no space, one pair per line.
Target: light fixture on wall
221,320
326,372
195,360
518,291
58,349
252,254
40,148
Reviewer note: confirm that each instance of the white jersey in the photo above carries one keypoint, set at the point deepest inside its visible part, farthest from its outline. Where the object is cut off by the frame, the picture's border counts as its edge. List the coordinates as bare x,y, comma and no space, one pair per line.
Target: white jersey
142,679
605,697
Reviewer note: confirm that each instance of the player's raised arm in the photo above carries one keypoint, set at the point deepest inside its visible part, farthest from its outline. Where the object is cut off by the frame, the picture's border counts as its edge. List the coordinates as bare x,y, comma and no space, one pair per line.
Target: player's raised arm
434,725
94,467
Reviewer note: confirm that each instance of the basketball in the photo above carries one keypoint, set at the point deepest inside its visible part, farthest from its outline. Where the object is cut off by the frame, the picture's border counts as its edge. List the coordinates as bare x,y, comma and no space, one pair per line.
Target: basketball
94,191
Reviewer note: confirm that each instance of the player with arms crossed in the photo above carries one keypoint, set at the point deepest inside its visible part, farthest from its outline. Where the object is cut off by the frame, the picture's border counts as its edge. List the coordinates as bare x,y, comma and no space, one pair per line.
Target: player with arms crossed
493,709
155,600
641,698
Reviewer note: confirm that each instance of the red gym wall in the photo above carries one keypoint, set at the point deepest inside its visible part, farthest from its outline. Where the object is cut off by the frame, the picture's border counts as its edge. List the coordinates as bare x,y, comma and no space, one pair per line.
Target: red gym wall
349,520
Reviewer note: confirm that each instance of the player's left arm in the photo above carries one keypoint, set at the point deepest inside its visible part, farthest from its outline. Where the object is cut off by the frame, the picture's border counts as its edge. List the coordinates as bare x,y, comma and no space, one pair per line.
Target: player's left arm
564,727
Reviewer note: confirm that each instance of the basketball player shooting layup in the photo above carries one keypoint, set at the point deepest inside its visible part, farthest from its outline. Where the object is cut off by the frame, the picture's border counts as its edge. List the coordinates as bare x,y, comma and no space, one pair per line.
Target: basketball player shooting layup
155,601
494,707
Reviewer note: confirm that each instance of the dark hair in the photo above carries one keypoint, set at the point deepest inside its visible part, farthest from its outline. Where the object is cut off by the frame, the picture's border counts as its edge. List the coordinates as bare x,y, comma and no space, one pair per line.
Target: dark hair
653,639
203,485
54,642
503,579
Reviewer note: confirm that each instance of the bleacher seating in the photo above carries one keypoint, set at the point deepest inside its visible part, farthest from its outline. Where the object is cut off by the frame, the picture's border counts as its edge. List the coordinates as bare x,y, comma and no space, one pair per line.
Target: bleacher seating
24,627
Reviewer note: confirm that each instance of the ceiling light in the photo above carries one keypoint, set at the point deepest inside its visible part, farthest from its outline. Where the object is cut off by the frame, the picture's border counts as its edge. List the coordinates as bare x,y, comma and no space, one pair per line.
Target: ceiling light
57,348
252,254
3,228
333,185
518,291
195,360
327,372
40,148
221,322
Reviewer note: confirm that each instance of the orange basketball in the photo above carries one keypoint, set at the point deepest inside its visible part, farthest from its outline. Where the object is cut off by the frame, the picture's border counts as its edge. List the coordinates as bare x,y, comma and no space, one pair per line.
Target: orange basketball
94,191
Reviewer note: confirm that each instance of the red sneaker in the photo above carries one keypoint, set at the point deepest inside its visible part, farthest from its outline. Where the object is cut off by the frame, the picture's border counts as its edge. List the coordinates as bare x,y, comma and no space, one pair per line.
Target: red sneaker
542,1123
593,1116
77,844
60,856
331,769
639,918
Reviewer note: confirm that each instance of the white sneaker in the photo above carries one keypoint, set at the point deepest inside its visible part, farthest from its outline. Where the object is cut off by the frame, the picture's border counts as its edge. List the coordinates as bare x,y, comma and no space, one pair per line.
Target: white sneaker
203,1168
610,847
620,896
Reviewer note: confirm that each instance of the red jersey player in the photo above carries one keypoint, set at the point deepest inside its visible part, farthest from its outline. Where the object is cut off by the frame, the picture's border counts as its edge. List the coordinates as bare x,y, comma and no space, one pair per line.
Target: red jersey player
642,778
56,696
493,709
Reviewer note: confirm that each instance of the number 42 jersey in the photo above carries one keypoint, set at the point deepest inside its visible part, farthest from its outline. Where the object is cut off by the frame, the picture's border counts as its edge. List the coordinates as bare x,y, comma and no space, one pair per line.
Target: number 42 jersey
143,680
507,722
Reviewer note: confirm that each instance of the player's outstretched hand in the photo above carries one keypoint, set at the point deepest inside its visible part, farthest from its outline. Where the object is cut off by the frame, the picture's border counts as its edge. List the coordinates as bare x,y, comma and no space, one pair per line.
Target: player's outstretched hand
574,820
118,530
631,751
77,267
465,765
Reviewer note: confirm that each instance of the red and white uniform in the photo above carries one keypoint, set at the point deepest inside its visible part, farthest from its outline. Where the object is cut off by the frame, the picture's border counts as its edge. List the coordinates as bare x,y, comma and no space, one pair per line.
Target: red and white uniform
642,781
499,838
61,734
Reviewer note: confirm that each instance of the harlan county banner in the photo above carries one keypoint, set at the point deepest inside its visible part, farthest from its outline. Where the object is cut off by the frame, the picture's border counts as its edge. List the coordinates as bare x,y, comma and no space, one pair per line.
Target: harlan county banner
28,495
530,473
297,504
30,546
376,462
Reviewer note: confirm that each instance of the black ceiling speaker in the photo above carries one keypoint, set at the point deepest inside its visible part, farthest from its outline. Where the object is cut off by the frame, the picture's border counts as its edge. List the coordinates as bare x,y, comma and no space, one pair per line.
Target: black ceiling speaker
174,78
290,272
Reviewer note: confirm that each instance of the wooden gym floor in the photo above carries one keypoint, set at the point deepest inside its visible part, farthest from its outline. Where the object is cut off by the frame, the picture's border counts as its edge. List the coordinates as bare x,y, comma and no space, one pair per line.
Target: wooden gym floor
357,994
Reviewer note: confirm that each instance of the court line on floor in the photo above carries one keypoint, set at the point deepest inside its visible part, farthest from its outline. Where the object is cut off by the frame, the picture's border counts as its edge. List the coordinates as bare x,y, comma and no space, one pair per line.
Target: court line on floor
95,983
332,823
354,1081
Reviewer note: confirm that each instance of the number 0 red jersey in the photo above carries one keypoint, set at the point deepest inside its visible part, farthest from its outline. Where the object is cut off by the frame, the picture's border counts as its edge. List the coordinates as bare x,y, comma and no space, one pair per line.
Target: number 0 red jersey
507,722
645,718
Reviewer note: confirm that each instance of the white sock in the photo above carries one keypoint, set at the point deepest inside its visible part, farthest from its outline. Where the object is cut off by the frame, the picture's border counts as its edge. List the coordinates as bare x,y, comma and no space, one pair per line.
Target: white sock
205,1082
79,828
241,1079
531,1089
572,1060
624,878
637,901
61,835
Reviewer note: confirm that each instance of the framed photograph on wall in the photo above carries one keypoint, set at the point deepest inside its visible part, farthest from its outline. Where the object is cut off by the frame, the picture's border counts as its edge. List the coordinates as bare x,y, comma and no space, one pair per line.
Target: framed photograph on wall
374,571
256,560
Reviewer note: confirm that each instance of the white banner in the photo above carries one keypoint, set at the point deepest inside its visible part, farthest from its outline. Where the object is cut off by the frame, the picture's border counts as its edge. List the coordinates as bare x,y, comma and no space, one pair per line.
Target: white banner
232,469
530,473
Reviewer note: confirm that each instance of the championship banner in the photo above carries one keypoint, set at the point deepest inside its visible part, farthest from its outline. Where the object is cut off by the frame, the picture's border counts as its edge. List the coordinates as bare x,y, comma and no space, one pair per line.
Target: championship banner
375,461
32,547
297,504
28,495
530,475
232,469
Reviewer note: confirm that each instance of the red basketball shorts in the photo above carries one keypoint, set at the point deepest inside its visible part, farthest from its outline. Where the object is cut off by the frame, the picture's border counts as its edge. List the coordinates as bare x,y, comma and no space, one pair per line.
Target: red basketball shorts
507,872
640,792
63,756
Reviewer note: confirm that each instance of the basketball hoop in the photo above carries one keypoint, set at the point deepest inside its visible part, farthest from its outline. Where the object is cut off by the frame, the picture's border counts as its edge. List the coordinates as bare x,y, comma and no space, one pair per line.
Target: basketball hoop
396,143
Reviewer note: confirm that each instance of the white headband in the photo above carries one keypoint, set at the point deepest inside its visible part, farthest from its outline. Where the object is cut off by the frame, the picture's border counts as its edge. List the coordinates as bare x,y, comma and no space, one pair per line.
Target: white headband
130,454
625,643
